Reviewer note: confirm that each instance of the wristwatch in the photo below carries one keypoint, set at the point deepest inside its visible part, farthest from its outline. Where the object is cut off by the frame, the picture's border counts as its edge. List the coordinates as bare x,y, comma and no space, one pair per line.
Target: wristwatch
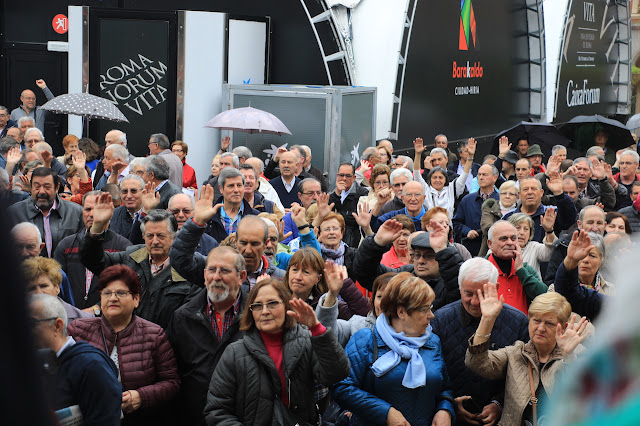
300,228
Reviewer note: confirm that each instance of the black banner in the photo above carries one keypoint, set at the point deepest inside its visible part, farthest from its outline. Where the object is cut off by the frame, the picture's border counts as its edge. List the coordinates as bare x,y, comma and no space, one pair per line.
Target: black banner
134,69
461,77
589,61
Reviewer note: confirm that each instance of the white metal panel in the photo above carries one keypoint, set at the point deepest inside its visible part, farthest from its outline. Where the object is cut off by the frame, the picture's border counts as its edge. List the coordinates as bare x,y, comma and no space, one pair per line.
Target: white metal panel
203,79
75,64
247,47
378,27
554,18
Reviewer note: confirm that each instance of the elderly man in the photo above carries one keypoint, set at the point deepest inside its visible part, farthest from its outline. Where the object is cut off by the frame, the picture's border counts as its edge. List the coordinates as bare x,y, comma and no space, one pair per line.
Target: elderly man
455,323
314,171
531,197
228,159
159,145
466,221
251,194
164,289
8,196
559,151
124,216
25,123
231,207
264,187
590,219
243,153
83,376
345,200
84,284
623,180
391,200
441,141
309,191
433,260
157,172
458,166
534,155
201,329
14,132
54,217
438,157
45,152
518,283
5,122
592,182
287,183
181,206
5,146
369,158
413,197
29,108
112,137
116,165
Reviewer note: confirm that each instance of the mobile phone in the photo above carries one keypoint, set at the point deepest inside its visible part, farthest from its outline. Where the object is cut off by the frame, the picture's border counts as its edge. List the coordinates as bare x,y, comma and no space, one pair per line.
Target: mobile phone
471,406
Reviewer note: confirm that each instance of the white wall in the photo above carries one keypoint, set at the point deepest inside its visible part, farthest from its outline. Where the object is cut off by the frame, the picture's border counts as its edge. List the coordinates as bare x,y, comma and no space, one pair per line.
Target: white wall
75,63
203,79
554,18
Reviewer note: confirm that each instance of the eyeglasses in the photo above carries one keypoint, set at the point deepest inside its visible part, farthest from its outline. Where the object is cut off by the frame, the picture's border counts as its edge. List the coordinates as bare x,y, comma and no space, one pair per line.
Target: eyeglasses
426,255
36,321
345,175
381,183
120,294
312,193
271,305
417,195
425,309
399,184
176,150
132,191
184,211
331,229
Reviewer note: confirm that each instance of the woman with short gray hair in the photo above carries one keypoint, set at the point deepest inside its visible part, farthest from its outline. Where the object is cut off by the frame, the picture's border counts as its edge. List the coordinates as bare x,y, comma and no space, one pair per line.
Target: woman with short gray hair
534,252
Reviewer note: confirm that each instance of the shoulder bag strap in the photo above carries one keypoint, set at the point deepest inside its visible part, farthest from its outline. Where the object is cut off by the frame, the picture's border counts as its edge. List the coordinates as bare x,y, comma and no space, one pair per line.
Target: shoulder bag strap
533,401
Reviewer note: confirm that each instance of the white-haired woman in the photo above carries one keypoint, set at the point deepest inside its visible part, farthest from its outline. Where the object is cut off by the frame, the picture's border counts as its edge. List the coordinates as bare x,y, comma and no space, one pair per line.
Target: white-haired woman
534,252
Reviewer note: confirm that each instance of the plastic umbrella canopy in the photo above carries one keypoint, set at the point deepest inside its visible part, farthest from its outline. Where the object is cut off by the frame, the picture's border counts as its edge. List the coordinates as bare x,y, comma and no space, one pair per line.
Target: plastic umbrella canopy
85,105
634,122
583,128
544,134
249,120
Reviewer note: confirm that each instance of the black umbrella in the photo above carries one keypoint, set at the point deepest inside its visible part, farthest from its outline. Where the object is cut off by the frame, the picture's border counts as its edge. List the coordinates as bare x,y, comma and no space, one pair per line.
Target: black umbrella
544,134
583,128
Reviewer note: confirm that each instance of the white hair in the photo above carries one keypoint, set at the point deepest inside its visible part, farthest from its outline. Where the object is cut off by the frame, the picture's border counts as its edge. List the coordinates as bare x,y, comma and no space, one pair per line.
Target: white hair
31,130
439,150
138,161
119,152
636,157
24,226
492,229
23,119
400,172
192,200
270,224
477,270
122,136
51,307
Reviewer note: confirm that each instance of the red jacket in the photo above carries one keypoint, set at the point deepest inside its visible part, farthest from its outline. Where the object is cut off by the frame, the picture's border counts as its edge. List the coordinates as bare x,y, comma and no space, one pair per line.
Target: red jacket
145,357
188,176
511,287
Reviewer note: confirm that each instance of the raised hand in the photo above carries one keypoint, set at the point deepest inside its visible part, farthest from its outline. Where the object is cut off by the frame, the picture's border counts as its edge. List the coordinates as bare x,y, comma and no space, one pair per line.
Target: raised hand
383,196
324,208
102,213
365,166
490,304
24,183
225,143
263,277
297,214
597,169
578,249
388,232
204,209
599,205
418,146
334,275
572,335
608,171
428,163
303,313
282,234
280,151
150,197
554,163
549,219
41,84
79,160
518,261
363,217
554,183
13,157
471,147
438,236
503,146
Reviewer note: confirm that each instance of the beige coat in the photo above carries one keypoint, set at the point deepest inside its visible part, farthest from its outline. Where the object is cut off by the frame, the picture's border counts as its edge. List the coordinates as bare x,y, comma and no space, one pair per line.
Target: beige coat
511,363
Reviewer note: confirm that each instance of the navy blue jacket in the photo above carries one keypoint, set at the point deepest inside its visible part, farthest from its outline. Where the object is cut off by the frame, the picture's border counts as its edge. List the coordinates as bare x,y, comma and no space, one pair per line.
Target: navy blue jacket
369,398
565,219
87,377
454,325
584,301
467,218
286,197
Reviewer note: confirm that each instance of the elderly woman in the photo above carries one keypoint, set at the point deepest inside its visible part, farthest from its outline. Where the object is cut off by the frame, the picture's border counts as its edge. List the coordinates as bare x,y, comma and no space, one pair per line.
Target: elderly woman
139,348
398,255
529,369
441,216
305,278
181,149
493,211
70,145
616,222
370,157
439,191
534,252
398,375
378,181
43,276
330,233
268,376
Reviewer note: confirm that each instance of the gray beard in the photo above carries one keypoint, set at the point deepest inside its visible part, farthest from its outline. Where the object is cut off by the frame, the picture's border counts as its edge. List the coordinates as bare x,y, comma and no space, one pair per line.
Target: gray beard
217,297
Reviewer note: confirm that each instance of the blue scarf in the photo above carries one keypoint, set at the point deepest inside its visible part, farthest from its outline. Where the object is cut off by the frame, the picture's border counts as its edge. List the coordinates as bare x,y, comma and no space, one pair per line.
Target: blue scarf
336,255
401,347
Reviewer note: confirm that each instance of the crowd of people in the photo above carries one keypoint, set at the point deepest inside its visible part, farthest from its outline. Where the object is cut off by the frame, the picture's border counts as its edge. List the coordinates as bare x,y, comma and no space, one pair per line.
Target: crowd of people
435,290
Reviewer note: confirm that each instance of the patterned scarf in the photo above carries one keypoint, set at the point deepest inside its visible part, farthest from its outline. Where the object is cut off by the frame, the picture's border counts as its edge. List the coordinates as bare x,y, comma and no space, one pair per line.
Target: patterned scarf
336,255
597,286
